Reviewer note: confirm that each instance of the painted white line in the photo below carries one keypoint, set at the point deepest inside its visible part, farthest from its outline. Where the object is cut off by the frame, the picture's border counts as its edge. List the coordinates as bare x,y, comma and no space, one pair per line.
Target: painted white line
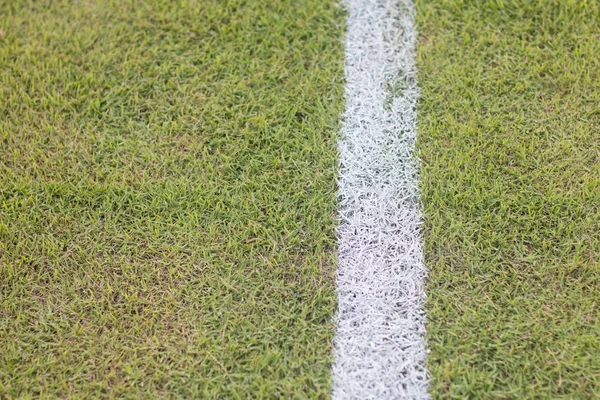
379,346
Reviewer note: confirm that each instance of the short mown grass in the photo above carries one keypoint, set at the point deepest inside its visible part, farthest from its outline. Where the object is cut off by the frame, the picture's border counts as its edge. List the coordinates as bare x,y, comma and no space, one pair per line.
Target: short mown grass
509,137
167,197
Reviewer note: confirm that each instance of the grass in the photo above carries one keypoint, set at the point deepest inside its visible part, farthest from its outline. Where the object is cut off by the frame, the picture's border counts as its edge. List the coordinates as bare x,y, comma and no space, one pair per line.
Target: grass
509,127
167,201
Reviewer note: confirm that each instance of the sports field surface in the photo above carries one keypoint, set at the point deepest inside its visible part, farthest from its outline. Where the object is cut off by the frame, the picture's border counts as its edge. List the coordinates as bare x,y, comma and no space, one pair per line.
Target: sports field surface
509,139
167,220
176,186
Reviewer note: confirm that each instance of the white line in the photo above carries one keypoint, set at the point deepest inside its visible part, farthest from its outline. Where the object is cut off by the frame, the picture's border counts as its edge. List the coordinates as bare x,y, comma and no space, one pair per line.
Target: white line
380,351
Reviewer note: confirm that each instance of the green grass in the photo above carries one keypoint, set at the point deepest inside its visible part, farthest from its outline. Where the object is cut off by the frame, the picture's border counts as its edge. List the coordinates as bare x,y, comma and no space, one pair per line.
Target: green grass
509,135
167,197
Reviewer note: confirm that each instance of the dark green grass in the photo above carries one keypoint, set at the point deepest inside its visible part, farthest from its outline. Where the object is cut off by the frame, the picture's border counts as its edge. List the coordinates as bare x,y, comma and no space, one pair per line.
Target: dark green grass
509,135
167,197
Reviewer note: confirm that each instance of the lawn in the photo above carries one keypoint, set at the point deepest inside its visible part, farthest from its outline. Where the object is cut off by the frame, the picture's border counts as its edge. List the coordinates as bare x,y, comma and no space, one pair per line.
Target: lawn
509,138
167,197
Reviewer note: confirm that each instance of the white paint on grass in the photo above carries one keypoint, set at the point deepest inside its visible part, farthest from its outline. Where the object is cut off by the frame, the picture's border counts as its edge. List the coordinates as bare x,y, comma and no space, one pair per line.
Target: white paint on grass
379,346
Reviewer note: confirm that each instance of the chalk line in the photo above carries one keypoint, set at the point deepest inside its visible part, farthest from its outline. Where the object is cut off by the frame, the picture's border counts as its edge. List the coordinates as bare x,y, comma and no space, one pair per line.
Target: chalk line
380,351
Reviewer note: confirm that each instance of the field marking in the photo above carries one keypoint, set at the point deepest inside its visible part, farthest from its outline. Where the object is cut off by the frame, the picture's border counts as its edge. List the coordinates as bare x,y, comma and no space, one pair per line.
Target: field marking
380,351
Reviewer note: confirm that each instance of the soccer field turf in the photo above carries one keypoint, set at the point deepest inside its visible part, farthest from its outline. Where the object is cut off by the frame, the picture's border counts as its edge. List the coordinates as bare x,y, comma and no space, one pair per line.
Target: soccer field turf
509,136
168,192
167,197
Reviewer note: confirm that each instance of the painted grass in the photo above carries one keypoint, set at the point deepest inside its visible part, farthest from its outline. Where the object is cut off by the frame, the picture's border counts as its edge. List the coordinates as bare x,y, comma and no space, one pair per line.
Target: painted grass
167,197
510,143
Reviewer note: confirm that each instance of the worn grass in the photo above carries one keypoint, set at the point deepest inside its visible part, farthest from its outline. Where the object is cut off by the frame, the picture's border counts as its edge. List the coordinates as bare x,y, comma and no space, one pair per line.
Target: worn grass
167,197
509,136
